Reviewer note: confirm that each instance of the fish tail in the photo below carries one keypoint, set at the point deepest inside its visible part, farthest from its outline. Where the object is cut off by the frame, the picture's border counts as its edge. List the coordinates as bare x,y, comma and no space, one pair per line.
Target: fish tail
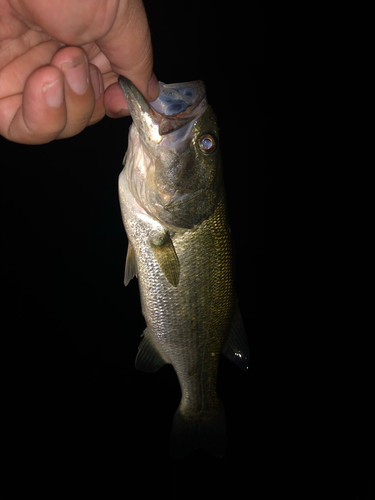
203,430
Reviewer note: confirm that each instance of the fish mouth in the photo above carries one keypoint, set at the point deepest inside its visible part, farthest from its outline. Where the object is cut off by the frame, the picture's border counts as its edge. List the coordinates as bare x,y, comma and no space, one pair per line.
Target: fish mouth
178,104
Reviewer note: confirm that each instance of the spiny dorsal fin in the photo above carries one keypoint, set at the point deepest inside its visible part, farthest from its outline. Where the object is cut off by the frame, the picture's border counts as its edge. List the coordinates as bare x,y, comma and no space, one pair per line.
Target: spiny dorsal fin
236,348
167,258
131,265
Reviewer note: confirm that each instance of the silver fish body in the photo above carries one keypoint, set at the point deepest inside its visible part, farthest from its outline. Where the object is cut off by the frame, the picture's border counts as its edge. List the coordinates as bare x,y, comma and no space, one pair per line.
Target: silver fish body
173,207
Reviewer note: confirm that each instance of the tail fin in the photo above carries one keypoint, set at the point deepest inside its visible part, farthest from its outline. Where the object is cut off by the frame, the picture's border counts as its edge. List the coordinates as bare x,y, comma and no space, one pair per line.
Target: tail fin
203,430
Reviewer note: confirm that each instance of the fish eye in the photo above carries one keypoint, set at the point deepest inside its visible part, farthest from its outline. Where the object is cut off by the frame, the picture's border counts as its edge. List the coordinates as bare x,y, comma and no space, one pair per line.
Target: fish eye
207,143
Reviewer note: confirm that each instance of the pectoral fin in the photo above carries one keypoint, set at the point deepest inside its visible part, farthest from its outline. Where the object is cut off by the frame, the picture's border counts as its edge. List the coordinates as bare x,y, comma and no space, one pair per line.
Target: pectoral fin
167,258
131,265
236,348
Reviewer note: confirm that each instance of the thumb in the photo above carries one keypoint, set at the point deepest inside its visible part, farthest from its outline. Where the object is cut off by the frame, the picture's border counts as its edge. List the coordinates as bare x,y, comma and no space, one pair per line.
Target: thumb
128,47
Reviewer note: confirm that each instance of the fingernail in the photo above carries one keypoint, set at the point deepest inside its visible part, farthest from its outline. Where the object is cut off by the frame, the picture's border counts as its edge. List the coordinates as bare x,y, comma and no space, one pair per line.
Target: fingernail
96,82
54,93
153,88
77,74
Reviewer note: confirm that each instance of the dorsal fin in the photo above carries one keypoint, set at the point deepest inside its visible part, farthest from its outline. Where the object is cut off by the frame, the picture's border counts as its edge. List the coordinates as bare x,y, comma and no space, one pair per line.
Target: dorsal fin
236,347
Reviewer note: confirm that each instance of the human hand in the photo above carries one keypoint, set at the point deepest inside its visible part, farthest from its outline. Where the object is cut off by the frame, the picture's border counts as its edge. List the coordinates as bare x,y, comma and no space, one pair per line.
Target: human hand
60,61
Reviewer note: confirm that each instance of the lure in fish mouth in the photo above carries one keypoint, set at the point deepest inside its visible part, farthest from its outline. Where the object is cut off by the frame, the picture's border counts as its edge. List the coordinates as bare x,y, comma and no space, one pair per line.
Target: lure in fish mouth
173,208
176,106
178,134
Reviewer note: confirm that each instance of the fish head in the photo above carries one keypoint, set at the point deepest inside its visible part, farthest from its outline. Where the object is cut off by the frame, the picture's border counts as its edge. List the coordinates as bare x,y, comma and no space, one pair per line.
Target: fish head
173,161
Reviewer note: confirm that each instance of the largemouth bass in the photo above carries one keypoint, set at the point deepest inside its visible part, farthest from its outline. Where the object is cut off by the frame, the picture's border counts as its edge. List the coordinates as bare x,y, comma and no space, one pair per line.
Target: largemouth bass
173,207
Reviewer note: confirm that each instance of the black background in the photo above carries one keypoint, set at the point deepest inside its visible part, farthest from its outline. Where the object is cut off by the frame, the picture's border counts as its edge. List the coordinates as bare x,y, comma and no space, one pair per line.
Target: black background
73,328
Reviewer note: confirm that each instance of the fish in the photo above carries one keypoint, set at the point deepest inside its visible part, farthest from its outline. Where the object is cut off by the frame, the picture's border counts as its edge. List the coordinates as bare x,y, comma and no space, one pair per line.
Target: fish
173,206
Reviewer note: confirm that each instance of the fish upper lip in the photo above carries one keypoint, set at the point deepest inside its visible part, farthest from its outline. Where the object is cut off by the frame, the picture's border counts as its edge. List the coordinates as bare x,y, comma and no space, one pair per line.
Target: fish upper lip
144,114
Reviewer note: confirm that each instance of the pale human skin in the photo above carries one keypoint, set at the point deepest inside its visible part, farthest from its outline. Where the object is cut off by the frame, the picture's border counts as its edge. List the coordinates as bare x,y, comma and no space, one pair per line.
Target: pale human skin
60,61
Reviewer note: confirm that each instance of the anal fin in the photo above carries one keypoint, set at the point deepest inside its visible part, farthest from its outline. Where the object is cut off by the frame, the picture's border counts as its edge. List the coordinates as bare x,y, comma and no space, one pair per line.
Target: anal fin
148,358
236,347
